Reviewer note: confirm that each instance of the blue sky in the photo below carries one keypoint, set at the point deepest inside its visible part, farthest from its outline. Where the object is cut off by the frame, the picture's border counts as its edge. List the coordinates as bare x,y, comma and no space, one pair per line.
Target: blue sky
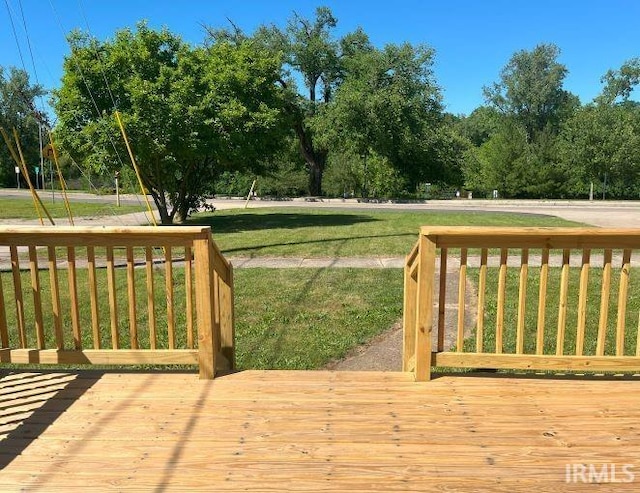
473,40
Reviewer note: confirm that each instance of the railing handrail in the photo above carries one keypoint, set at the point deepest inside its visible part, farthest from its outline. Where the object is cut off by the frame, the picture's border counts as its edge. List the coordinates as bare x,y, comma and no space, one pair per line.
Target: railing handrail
530,237
424,262
214,322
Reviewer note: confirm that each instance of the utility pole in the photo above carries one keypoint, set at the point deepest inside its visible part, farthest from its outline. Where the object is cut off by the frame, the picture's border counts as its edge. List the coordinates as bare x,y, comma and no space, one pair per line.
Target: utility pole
117,176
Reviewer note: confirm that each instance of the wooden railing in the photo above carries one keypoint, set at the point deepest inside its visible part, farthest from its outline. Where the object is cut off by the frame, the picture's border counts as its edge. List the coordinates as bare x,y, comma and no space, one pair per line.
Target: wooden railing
533,296
115,296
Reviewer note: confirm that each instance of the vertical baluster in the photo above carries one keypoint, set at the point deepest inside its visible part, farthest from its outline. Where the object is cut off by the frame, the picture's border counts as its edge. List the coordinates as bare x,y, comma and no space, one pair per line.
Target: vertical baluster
73,297
623,293
4,331
542,301
93,295
582,301
17,289
37,296
188,287
442,296
113,303
502,288
216,306
56,309
131,295
151,301
562,305
462,286
482,288
227,320
168,266
522,301
605,293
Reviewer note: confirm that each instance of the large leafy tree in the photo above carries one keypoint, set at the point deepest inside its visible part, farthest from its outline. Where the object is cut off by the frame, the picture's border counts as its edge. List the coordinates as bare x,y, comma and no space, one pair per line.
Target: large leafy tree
313,55
190,112
390,106
601,144
518,133
18,110
619,84
530,90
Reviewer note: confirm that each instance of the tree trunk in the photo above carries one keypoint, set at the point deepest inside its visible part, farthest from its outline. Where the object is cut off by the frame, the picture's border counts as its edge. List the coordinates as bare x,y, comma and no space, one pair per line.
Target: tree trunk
315,178
163,211
314,158
165,217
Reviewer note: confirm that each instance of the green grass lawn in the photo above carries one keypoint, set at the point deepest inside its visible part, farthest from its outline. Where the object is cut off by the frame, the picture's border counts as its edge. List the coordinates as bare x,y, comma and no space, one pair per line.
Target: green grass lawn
290,232
300,318
552,302
23,208
285,318
304,318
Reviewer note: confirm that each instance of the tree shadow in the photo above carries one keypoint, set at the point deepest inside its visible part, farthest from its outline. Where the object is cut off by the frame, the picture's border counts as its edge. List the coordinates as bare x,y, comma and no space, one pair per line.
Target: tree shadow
289,220
342,239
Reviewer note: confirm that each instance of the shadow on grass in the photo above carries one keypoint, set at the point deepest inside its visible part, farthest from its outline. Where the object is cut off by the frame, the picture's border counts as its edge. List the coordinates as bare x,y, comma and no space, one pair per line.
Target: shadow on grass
252,222
323,240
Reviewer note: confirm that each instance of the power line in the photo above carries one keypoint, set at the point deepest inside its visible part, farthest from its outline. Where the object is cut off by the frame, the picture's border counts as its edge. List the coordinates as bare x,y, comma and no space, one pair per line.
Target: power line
15,34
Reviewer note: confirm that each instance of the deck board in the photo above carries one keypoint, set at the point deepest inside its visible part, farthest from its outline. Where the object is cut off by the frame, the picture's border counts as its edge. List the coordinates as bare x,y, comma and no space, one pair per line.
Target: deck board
313,431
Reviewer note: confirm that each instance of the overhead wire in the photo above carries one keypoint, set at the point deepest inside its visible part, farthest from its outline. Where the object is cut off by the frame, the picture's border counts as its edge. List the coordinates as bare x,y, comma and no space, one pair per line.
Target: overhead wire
92,98
33,61
119,120
15,34
17,153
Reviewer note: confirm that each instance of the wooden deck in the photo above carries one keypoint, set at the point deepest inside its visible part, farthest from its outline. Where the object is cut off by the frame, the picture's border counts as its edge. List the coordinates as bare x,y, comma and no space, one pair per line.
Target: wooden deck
316,431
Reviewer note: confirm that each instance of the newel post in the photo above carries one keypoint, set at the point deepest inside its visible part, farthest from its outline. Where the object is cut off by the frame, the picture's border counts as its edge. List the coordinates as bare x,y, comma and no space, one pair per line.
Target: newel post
424,307
205,315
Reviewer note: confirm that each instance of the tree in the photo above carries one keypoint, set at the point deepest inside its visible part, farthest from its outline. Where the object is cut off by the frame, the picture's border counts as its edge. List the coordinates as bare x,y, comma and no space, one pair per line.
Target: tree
315,56
18,110
601,144
619,84
190,113
530,90
480,125
388,105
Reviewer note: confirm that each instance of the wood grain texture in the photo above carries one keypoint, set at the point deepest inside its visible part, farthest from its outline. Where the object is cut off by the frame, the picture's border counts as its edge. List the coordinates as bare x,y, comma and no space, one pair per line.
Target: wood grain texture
482,296
27,332
604,302
424,309
623,293
311,431
462,286
542,301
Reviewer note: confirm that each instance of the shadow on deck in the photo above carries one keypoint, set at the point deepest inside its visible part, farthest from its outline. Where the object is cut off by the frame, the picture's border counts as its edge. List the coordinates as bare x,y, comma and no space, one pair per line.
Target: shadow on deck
316,431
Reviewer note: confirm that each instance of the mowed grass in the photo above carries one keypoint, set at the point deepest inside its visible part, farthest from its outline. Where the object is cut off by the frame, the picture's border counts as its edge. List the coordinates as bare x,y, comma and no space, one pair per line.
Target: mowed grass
304,318
23,208
285,318
551,319
291,232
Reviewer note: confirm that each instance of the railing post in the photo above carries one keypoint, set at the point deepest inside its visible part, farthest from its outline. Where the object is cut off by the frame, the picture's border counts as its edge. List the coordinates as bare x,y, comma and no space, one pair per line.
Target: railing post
409,315
424,308
207,336
227,322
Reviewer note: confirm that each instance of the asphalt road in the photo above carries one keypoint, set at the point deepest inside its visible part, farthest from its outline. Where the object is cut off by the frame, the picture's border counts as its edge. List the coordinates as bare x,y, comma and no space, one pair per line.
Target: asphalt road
615,214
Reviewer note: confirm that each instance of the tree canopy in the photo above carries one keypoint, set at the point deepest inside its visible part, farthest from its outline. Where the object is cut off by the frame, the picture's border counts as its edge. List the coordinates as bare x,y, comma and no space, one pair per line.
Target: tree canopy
302,101
189,112
18,110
